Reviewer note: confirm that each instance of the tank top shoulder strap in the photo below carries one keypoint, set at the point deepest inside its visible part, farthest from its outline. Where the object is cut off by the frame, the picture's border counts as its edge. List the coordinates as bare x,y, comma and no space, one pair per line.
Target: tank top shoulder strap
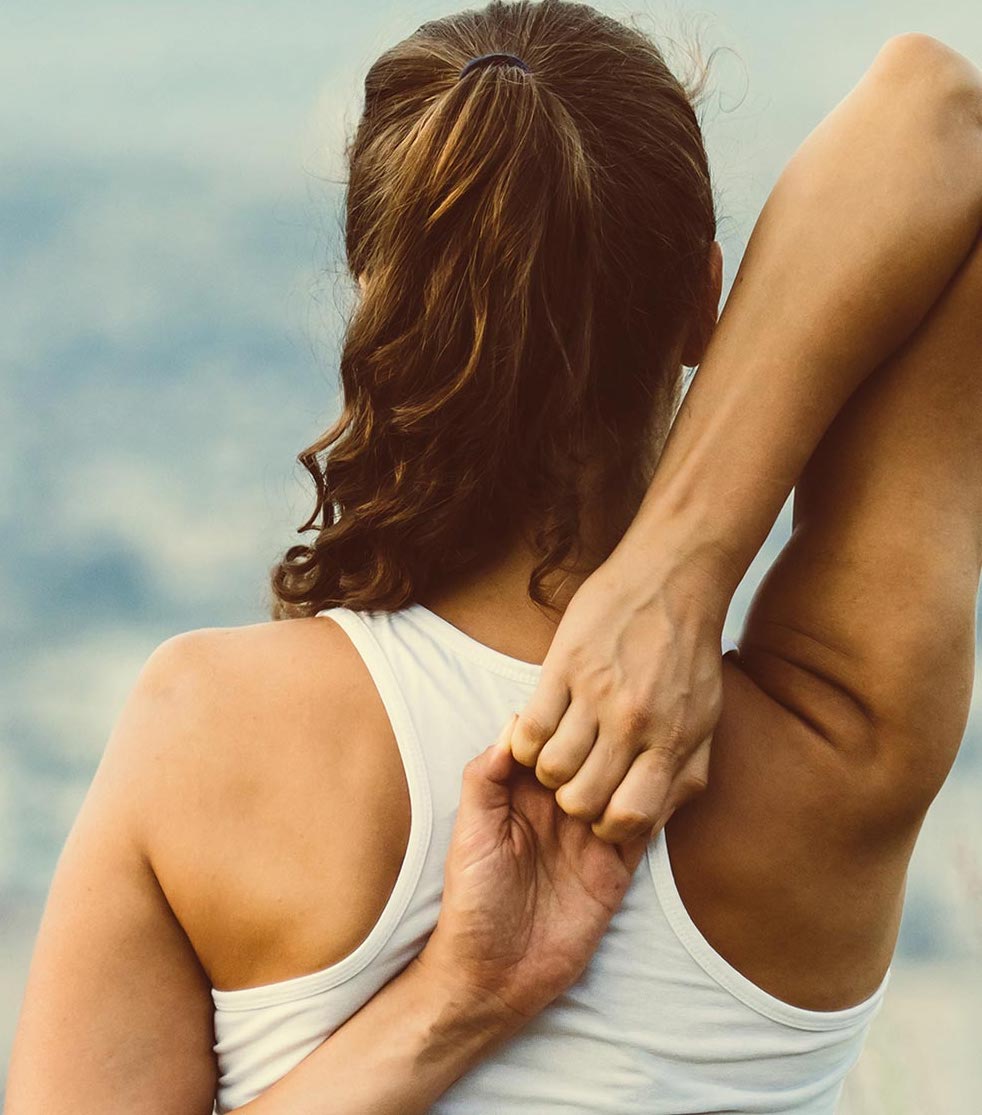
377,658
448,695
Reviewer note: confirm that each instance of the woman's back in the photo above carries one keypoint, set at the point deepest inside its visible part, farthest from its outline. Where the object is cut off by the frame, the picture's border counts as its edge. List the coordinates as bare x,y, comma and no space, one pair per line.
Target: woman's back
300,893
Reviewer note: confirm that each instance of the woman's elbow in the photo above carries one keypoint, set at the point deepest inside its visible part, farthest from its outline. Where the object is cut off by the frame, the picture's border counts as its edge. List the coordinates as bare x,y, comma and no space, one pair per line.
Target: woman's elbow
920,67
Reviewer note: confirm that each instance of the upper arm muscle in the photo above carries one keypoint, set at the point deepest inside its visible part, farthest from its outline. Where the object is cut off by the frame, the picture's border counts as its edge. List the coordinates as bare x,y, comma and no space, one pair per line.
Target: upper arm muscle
117,1012
865,625
846,705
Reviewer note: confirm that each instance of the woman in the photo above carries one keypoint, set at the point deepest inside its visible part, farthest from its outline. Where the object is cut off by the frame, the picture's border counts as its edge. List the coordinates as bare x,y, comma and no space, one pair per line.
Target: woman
263,848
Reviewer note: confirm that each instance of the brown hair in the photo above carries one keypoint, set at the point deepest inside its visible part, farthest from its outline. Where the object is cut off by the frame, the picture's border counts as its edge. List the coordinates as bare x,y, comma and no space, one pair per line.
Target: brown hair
532,244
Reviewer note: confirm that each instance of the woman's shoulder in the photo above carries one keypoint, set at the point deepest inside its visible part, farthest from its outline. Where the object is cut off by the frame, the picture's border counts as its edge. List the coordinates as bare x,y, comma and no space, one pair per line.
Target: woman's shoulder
222,702
252,652
260,753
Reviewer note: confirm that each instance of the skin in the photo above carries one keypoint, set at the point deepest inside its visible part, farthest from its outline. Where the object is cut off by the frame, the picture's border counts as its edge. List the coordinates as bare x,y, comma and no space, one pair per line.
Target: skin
832,729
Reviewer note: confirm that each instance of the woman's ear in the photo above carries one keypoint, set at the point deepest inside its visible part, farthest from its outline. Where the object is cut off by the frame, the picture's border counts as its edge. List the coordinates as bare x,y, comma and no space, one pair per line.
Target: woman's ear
705,317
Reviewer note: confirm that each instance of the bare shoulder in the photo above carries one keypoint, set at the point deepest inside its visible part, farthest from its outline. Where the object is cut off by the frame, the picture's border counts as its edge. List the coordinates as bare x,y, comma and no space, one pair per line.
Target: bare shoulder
208,694
258,752
258,660
205,702
221,840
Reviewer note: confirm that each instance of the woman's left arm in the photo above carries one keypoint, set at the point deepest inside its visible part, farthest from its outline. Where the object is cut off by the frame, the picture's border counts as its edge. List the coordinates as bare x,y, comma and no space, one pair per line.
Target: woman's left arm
118,1015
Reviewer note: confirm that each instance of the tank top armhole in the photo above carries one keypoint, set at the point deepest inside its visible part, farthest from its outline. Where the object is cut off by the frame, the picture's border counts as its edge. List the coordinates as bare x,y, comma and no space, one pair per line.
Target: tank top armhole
420,832
723,973
720,970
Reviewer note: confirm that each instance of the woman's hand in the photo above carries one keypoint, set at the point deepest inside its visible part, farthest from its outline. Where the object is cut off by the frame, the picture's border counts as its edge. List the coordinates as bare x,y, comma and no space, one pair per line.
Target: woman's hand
631,691
528,891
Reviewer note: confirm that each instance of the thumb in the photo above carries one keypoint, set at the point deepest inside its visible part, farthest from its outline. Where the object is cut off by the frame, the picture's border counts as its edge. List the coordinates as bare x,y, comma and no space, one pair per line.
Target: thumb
486,777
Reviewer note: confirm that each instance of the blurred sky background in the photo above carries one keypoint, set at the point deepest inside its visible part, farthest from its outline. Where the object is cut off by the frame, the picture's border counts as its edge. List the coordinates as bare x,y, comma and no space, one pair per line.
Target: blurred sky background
172,292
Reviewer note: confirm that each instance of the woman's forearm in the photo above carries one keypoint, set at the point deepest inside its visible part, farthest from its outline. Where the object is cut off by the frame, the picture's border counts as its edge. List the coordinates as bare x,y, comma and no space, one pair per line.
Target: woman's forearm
395,1056
863,230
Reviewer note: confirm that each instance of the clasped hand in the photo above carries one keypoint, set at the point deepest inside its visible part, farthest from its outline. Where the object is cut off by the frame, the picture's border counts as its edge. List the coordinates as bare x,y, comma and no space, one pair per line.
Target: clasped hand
528,893
621,723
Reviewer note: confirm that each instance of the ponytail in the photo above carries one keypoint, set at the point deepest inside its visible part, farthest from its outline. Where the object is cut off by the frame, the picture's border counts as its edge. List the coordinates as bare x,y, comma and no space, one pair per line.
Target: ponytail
476,215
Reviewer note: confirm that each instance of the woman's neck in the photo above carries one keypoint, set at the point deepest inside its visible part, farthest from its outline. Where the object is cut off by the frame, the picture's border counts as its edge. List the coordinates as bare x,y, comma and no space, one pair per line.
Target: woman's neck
492,604
494,607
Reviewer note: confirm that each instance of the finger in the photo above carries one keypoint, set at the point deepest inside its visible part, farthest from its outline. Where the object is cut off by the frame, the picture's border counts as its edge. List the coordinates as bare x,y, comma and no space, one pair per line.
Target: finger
691,780
586,795
572,742
536,803
501,748
639,801
694,775
540,718
486,781
650,779
632,851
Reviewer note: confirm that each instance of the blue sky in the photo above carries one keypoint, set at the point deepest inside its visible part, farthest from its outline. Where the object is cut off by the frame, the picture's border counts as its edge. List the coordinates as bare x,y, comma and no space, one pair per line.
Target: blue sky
170,297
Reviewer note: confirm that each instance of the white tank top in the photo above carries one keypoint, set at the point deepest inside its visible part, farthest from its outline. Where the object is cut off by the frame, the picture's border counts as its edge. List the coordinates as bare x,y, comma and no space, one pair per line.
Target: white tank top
659,1022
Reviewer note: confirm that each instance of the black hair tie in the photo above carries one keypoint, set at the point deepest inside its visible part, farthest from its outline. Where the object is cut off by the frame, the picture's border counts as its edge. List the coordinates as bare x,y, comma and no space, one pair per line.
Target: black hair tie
497,56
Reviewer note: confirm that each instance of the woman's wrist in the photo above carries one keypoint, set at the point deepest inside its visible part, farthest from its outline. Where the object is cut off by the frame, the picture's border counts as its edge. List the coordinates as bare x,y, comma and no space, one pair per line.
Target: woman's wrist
399,1053
438,1028
460,1022
675,554
719,485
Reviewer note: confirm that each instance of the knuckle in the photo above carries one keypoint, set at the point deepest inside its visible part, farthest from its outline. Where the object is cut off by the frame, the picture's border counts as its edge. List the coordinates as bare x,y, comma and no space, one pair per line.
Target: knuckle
529,733
553,770
664,755
677,739
634,716
590,673
577,804
626,823
524,752
694,784
599,685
